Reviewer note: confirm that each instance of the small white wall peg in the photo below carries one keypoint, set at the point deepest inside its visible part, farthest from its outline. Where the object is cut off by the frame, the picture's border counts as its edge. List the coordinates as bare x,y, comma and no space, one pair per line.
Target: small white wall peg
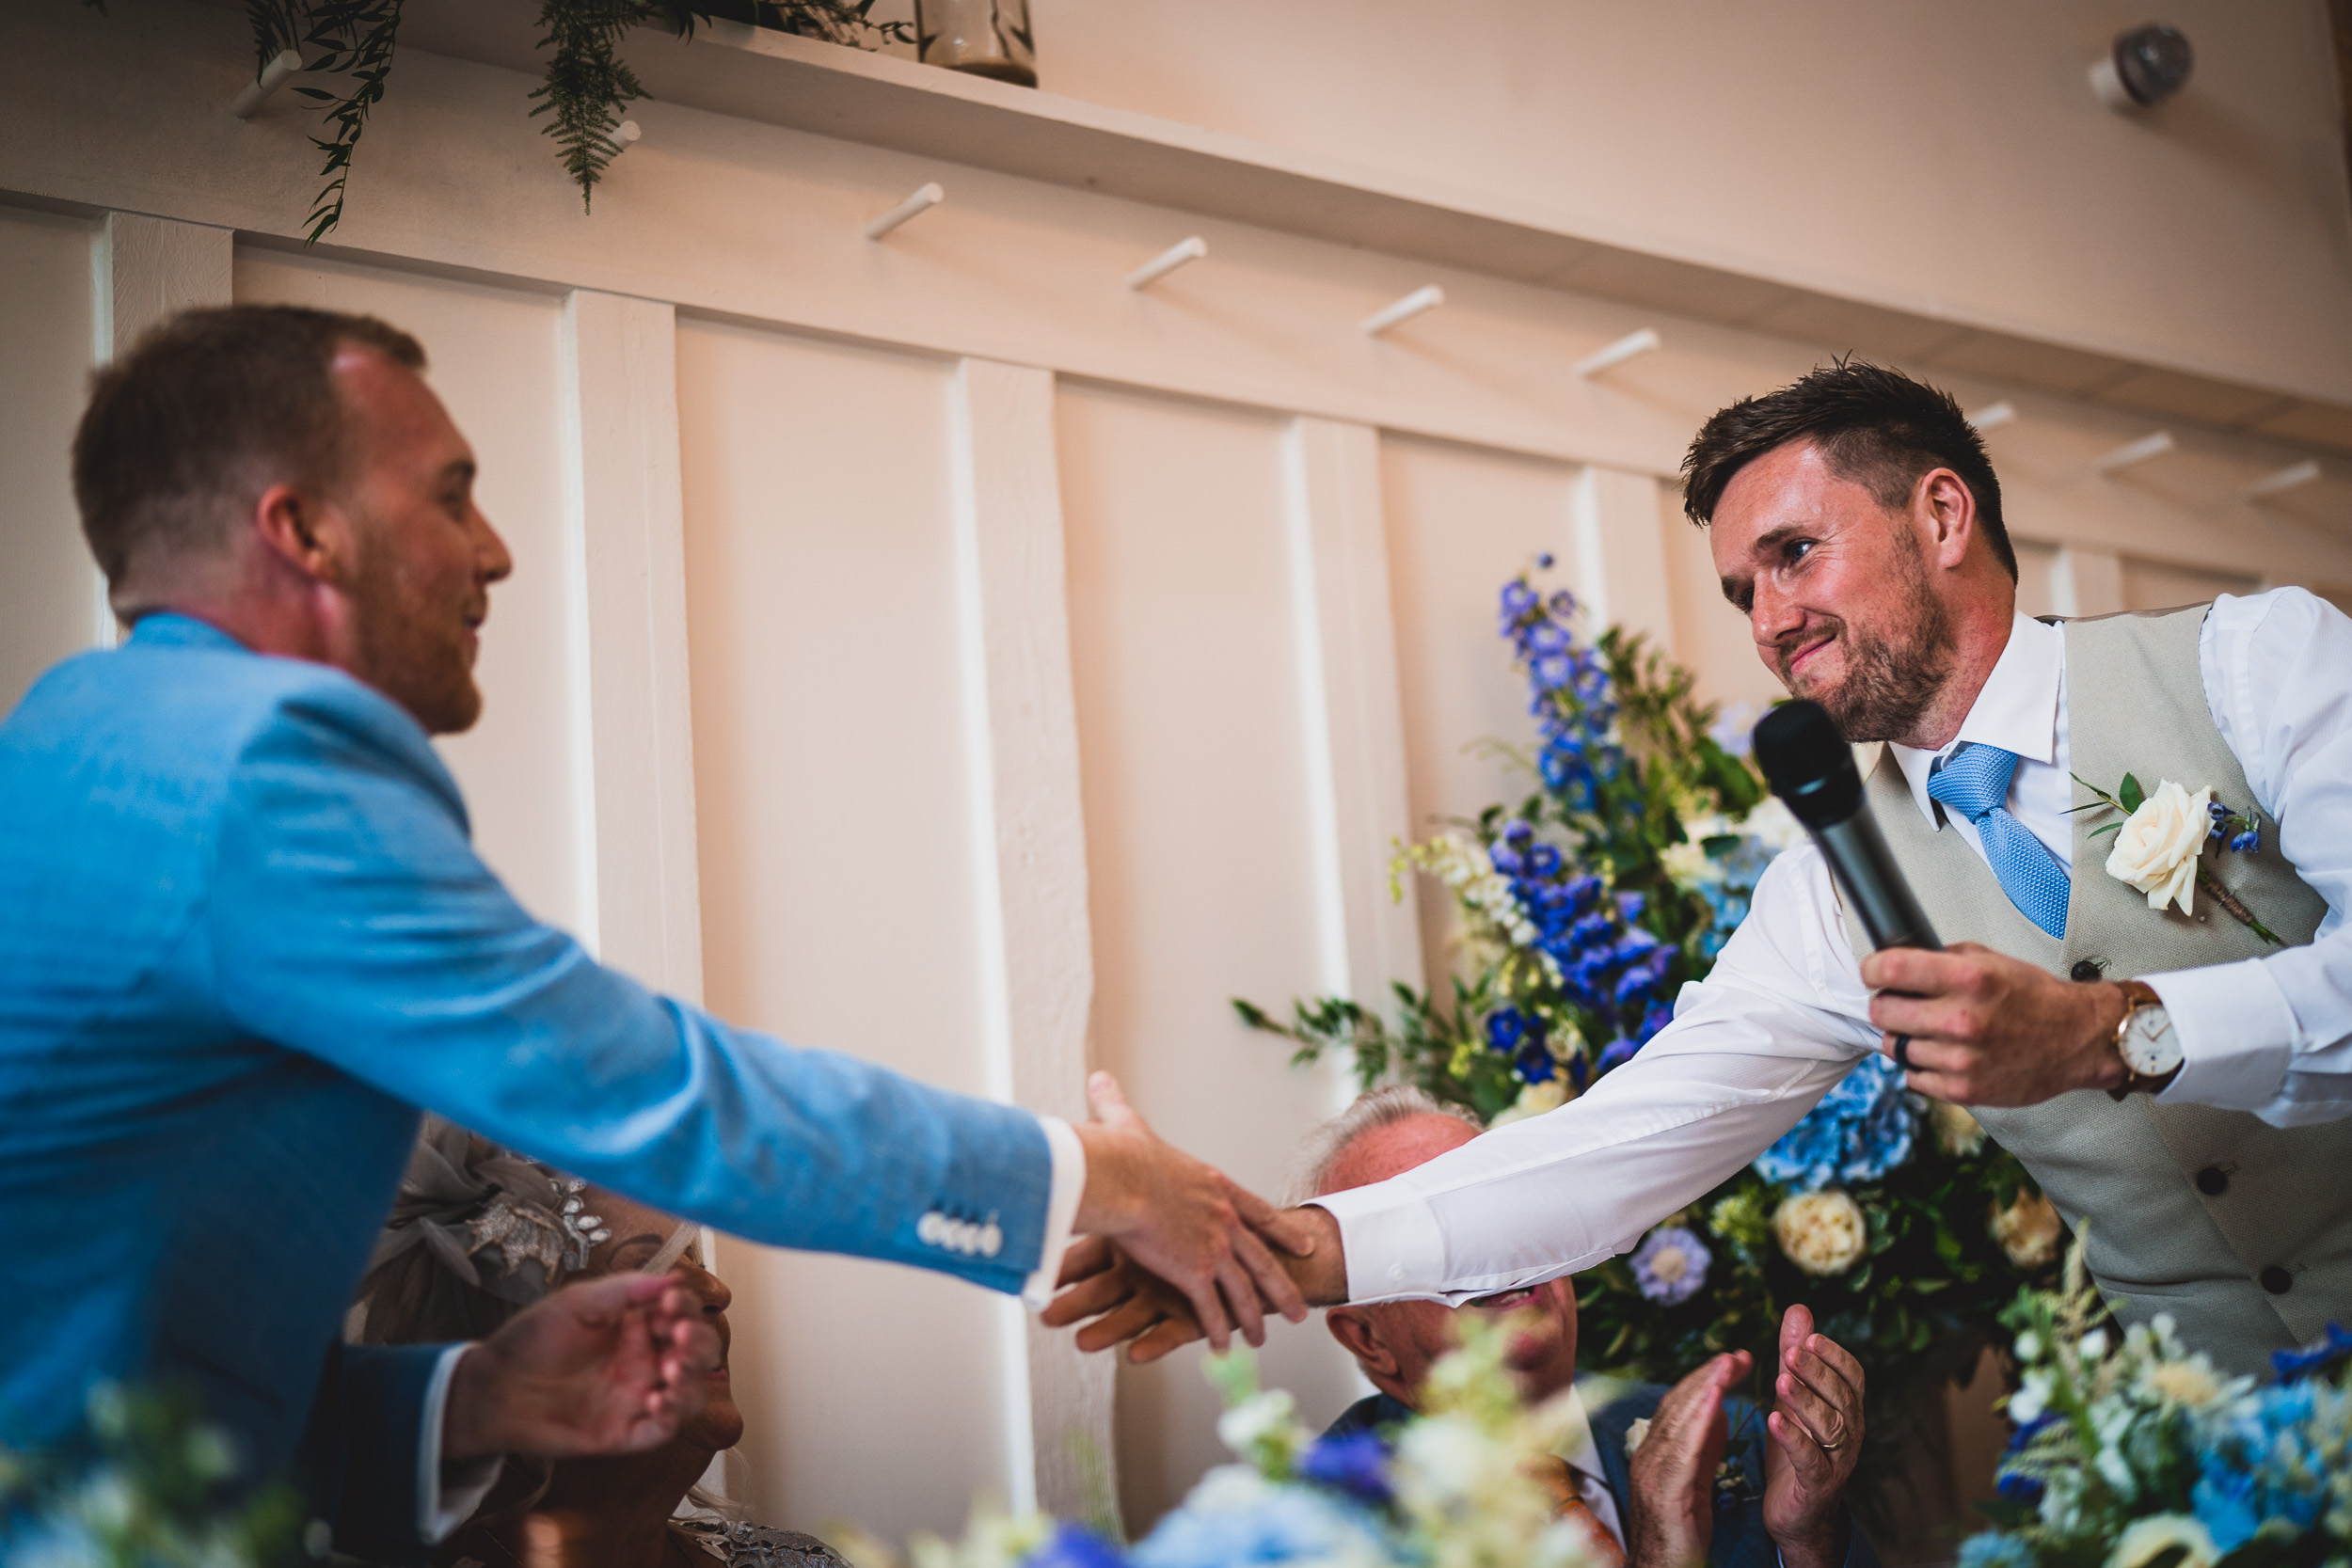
915,206
1631,347
2288,478
1993,416
273,77
1405,309
628,133
1166,261
2134,451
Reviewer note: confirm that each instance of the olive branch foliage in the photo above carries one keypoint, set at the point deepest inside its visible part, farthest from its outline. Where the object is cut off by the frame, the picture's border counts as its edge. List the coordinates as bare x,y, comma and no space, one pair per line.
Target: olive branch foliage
585,86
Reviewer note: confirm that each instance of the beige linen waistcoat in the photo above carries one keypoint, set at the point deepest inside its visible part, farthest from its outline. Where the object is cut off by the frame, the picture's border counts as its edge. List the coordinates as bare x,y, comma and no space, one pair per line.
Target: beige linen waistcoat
2194,1212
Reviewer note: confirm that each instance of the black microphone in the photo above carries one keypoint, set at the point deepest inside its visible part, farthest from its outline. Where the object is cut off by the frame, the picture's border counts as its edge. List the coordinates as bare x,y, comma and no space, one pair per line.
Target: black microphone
1811,767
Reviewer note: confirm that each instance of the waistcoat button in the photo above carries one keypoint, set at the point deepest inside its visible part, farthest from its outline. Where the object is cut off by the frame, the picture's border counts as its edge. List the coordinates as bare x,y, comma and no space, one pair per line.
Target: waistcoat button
2275,1280
2213,1182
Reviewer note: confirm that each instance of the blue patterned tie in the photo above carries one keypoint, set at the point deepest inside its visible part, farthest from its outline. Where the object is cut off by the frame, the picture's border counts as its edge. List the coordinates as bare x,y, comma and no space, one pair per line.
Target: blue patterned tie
1974,781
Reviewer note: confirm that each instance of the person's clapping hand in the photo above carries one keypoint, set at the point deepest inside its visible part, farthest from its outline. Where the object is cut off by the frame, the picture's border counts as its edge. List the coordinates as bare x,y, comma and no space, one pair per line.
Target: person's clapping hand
1185,1223
1670,1520
1816,1427
607,1365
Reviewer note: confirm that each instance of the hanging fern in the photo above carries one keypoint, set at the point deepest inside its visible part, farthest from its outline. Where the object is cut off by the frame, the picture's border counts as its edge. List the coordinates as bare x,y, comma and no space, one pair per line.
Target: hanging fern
587,82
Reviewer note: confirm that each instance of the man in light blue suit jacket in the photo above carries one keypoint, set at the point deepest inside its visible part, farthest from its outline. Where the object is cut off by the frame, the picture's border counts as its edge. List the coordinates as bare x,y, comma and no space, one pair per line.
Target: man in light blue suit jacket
244,937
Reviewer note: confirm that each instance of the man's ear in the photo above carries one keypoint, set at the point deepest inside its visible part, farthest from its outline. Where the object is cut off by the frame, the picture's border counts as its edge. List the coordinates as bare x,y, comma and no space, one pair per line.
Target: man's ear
287,521
1946,511
1359,1336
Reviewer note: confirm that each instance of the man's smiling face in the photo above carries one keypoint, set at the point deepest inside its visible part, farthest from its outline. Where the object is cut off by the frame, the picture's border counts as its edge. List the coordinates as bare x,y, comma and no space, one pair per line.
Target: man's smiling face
1835,589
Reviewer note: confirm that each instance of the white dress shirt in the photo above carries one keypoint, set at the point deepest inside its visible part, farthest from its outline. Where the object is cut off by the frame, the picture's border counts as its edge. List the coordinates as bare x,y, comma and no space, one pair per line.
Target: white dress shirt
1785,1014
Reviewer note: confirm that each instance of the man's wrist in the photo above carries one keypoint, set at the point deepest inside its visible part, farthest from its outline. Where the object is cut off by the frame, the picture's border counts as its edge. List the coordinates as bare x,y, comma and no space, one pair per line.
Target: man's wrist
467,1419
1322,1274
1822,1548
2103,1063
1109,1203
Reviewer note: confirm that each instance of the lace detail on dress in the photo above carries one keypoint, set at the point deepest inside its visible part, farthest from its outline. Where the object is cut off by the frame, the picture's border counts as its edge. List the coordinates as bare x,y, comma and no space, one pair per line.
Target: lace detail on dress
744,1545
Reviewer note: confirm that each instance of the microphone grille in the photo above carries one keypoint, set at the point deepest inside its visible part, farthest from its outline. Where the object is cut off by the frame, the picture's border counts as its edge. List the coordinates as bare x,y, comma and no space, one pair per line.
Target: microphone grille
1808,763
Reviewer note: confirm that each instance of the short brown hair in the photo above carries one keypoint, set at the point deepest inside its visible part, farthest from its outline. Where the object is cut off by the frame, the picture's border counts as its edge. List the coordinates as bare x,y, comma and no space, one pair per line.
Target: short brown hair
1875,426
209,409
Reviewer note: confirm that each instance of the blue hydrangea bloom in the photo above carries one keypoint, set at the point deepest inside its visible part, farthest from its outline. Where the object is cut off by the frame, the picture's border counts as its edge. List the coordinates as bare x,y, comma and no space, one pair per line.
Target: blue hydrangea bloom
1227,1523
1994,1549
1074,1546
1859,1131
1356,1464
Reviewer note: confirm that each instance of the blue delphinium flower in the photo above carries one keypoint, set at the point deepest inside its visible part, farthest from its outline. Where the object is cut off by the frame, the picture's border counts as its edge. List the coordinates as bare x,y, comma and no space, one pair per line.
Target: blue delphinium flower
1859,1131
2248,842
1671,1265
1074,1546
2331,1350
1355,1464
1505,1027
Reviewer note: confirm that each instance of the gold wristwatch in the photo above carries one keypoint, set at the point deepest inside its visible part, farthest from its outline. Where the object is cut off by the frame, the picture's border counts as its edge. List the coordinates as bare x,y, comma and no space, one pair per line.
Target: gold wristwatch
2145,1040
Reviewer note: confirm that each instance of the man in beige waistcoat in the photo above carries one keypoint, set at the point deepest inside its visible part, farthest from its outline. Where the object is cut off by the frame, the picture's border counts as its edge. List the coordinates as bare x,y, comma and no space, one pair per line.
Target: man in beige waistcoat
2157,1062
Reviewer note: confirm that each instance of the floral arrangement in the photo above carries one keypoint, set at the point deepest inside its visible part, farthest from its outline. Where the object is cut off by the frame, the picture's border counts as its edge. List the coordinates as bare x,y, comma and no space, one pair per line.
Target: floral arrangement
586,88
2132,1451
1582,912
1453,1491
144,1485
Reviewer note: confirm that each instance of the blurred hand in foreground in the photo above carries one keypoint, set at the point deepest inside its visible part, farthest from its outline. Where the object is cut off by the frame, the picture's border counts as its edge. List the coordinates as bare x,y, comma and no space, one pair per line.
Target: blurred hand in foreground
607,1365
1185,1223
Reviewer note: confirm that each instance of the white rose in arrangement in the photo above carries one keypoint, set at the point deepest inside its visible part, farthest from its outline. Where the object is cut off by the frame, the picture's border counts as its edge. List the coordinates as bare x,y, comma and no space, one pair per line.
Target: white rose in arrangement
2029,1231
2145,1540
1534,1100
2156,850
1957,1133
1822,1233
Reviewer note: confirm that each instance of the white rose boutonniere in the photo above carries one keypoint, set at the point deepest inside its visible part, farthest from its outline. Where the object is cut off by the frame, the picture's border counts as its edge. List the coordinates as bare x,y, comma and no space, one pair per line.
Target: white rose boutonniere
2156,850
2160,844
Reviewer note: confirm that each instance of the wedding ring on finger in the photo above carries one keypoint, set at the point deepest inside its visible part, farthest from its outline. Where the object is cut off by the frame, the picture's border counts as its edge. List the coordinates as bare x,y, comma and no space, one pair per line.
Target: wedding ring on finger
1902,1060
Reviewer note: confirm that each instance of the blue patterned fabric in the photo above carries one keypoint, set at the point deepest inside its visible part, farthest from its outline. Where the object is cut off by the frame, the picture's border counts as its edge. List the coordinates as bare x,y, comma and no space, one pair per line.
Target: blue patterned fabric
1974,781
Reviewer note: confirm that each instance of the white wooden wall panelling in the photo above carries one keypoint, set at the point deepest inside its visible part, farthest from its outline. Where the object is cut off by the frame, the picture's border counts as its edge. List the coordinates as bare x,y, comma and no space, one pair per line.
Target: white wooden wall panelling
626,529
2087,583
1020,271
1621,556
1354,723
142,270
1037,961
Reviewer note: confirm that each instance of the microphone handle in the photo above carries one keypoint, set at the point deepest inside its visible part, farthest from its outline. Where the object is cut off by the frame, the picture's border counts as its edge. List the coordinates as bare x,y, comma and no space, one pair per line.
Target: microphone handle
1865,869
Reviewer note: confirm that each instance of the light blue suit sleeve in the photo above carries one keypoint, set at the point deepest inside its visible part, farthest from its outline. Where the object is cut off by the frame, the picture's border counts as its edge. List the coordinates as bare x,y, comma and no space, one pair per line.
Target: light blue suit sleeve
353,922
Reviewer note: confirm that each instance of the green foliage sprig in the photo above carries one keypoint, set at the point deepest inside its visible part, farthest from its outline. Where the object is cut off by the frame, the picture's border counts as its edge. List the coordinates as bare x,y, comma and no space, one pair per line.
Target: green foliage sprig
585,86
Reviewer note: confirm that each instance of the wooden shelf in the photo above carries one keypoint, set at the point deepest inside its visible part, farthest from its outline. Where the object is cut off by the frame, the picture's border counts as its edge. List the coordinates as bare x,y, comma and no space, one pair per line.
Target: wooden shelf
886,101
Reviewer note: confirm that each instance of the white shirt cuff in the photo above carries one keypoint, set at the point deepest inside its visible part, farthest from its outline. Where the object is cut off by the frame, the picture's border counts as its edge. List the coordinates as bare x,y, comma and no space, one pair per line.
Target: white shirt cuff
2237,1034
447,1500
1390,1239
1062,1209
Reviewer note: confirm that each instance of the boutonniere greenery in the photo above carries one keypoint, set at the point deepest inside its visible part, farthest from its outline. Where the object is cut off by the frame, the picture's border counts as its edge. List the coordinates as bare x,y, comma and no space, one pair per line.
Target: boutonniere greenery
2160,845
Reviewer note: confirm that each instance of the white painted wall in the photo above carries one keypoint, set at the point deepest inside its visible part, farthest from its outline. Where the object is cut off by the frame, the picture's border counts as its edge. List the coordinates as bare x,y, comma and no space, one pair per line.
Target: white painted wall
1931,156
1199,834
46,349
837,875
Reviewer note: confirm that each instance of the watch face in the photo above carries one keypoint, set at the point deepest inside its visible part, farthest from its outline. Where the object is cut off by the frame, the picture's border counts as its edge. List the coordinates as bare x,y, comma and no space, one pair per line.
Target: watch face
2148,1046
